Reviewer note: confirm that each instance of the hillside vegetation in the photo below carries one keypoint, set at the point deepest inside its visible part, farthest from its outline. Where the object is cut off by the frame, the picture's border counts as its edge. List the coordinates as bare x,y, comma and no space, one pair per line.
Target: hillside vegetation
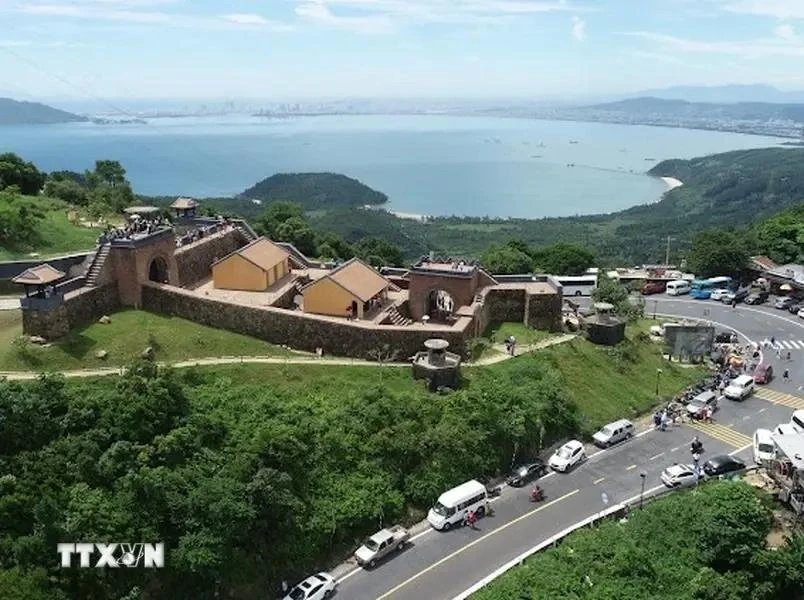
315,191
13,112
252,473
709,544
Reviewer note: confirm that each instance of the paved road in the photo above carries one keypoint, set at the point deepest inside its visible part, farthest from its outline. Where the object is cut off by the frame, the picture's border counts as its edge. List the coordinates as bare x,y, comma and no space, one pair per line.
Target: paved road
9,302
442,565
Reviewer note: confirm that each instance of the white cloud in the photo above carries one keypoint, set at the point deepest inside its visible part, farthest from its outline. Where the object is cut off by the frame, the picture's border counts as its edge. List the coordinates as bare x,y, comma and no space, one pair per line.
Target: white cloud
779,9
126,11
578,29
373,15
318,12
748,49
245,19
786,32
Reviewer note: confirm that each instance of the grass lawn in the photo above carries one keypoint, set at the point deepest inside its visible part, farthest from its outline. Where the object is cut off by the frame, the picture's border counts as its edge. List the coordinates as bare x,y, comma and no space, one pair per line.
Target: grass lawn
57,236
608,384
525,336
129,333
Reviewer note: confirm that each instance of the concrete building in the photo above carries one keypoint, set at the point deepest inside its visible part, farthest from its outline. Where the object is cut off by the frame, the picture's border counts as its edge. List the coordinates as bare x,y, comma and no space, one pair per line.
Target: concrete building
352,289
254,267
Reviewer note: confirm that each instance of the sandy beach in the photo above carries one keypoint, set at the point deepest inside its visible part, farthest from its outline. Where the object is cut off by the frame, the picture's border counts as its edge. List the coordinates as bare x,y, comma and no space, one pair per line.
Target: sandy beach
672,182
401,215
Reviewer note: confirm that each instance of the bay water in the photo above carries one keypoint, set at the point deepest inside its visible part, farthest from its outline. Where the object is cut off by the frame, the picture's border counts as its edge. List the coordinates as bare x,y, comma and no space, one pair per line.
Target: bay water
426,164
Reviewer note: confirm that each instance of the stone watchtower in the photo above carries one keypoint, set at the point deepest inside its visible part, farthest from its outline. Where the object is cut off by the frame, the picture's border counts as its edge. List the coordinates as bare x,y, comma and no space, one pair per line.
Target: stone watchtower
439,288
135,261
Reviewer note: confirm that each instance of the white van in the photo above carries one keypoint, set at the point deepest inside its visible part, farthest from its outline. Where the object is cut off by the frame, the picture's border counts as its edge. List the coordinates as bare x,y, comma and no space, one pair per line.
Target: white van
740,388
797,420
764,447
614,433
678,287
453,506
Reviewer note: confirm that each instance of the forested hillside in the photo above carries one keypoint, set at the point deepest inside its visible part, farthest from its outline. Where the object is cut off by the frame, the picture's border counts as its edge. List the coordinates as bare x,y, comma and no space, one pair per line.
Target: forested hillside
315,191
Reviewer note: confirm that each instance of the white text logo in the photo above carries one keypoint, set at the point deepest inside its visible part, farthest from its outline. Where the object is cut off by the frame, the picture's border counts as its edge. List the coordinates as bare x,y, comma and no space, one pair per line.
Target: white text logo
150,556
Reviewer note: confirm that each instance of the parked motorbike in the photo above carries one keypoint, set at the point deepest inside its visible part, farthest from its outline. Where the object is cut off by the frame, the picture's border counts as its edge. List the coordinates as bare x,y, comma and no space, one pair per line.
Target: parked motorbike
493,491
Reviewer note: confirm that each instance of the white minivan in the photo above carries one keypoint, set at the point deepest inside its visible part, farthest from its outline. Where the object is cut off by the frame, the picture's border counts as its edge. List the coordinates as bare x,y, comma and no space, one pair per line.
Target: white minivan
678,287
453,505
740,388
764,447
797,420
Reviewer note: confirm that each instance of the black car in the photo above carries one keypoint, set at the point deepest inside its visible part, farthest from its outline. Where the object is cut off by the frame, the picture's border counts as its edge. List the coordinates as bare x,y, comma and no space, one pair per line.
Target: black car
757,298
525,473
737,296
722,464
795,307
726,337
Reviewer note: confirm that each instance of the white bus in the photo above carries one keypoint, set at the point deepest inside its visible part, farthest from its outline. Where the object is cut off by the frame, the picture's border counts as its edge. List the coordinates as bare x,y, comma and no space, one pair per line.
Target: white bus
580,285
678,287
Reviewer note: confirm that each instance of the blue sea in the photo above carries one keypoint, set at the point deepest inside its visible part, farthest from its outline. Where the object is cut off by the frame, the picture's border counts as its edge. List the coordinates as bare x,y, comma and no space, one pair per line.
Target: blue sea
426,164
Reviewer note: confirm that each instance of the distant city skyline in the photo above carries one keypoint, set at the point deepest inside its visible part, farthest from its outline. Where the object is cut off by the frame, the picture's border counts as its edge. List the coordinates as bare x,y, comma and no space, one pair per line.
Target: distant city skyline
314,49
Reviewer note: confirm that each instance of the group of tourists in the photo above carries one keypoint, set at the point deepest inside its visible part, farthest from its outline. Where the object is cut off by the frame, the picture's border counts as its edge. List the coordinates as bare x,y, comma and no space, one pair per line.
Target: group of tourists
138,227
202,231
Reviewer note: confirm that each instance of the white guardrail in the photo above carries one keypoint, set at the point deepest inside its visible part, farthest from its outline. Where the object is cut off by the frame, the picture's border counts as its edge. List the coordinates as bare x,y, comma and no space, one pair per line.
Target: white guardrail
538,548
648,496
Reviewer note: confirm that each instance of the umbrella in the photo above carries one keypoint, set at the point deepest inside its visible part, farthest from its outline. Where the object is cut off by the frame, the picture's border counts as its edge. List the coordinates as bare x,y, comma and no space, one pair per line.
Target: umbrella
786,287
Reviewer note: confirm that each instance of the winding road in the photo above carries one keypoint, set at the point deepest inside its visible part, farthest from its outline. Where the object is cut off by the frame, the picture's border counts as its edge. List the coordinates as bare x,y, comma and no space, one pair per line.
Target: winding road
440,566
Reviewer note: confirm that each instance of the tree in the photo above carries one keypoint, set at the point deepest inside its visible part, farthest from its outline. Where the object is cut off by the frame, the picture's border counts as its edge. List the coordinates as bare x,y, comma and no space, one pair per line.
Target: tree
563,259
24,175
331,245
379,253
275,214
298,232
718,252
108,172
19,219
68,190
506,260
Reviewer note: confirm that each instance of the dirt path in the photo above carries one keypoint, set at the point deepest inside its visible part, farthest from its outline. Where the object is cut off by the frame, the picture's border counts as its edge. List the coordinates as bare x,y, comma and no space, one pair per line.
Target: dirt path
289,360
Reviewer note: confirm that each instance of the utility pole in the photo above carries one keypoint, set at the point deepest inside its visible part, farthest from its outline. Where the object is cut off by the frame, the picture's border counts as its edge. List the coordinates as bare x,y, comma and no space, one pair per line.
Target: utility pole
667,254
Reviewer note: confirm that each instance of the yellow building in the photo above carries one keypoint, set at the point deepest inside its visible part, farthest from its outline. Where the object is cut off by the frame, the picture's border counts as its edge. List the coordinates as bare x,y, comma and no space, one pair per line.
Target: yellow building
348,291
254,267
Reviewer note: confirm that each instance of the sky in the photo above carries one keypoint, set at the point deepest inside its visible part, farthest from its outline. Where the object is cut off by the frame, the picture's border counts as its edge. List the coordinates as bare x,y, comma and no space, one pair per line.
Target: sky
298,49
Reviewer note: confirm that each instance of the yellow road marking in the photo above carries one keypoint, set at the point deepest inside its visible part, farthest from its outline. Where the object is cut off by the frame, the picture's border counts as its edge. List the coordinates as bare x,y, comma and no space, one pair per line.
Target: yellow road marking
722,433
780,398
631,468
599,480
477,541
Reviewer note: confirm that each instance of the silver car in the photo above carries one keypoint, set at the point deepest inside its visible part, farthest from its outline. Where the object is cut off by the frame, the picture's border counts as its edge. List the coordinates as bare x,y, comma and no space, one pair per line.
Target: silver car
680,476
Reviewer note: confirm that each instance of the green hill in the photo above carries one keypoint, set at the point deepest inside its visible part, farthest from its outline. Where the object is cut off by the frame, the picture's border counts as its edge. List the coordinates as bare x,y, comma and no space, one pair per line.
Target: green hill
13,112
722,190
315,191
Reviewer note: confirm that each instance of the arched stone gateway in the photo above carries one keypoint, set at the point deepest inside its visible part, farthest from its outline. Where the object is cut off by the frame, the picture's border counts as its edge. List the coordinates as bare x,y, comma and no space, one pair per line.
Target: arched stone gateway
158,270
440,305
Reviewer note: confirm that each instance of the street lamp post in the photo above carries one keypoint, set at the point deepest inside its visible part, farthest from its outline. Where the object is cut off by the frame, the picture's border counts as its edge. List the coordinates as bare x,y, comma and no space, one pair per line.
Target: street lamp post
658,376
642,476
655,307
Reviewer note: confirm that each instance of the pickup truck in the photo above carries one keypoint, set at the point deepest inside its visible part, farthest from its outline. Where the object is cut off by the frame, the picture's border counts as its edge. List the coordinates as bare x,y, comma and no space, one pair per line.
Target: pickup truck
381,544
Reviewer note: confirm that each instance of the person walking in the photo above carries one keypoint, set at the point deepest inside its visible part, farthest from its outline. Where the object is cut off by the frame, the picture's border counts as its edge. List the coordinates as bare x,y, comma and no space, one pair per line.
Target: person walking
786,375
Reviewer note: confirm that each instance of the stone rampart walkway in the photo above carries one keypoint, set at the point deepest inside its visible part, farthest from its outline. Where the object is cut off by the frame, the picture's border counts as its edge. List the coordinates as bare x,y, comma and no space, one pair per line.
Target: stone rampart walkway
288,360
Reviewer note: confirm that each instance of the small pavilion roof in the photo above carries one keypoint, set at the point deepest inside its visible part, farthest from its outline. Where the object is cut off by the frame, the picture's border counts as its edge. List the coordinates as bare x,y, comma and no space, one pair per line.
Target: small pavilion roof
358,278
184,204
39,275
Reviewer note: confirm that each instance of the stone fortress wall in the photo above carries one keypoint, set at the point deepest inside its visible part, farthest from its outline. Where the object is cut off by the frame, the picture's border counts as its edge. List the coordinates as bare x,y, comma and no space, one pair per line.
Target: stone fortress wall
123,280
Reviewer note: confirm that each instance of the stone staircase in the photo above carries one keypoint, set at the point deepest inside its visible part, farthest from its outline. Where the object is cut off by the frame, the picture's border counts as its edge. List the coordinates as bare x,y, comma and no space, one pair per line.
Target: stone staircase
96,267
247,233
396,317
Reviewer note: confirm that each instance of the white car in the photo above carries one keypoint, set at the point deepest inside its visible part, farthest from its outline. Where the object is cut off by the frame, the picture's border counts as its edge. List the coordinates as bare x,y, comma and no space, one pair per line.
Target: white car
719,293
679,476
315,587
566,457
764,447
800,313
